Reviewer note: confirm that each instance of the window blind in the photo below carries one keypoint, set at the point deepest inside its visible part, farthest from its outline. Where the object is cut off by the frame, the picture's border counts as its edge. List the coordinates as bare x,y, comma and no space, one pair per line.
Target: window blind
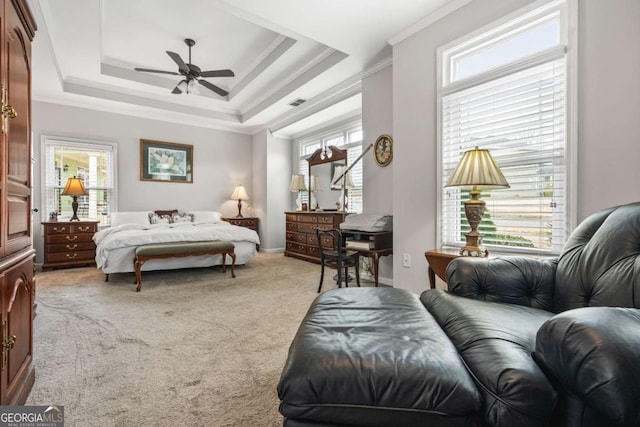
520,118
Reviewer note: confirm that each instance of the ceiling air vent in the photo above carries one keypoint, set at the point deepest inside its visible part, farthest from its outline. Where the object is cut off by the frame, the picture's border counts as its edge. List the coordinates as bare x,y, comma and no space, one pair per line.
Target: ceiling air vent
297,102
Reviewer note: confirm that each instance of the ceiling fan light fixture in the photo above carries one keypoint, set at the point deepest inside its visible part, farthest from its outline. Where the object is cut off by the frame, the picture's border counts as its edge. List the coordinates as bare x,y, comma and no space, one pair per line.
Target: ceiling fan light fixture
192,88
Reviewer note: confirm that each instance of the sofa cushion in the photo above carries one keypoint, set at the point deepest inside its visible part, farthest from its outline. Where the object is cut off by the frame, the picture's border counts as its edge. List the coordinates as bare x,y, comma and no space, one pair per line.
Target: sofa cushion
375,357
496,341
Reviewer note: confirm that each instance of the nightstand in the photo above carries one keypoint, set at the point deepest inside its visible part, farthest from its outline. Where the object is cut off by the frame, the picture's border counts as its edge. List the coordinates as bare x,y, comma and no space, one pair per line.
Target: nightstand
247,222
69,244
438,260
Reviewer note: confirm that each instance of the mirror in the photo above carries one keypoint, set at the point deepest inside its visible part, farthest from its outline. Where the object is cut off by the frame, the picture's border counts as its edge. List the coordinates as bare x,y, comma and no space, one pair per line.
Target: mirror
323,164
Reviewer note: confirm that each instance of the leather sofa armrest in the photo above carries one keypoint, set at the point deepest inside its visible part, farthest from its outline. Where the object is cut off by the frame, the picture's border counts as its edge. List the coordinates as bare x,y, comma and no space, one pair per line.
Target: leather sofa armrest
514,280
592,353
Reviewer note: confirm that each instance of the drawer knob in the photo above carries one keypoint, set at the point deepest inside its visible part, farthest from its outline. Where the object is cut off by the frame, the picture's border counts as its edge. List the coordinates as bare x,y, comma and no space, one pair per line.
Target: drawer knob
72,238
59,230
72,247
75,255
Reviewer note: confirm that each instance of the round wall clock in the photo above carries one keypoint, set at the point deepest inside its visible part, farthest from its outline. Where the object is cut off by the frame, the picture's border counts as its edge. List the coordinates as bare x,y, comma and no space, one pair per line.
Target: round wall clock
383,150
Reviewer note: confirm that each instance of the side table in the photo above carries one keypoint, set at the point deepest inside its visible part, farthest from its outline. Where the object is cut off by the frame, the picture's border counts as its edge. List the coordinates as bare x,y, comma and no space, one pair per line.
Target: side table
438,260
246,222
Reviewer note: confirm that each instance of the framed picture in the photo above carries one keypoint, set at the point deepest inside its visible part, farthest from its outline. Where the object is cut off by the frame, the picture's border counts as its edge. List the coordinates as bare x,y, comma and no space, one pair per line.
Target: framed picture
165,161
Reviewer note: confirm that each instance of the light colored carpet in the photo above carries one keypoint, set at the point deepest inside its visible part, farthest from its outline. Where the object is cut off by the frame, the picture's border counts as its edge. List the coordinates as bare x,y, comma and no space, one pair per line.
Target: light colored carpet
193,348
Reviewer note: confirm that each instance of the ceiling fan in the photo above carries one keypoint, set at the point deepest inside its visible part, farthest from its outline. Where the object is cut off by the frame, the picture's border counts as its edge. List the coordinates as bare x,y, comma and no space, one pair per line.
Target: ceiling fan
192,74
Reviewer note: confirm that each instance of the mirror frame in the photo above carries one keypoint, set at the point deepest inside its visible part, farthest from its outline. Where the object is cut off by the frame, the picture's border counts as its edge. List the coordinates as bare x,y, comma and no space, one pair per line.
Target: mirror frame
315,159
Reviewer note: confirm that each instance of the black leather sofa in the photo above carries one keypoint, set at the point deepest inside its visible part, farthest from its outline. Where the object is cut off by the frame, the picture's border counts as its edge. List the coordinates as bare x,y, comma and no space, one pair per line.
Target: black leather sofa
514,342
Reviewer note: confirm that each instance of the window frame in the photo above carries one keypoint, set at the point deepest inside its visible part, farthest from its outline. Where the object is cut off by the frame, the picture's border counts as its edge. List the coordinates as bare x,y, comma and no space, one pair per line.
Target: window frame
568,10
47,141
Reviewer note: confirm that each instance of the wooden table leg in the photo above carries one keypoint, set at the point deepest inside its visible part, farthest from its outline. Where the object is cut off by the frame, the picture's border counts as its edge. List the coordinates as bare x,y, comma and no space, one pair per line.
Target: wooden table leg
432,278
376,260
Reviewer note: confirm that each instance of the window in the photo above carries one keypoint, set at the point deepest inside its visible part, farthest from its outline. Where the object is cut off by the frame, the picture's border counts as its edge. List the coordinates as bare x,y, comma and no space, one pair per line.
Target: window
93,162
349,138
506,90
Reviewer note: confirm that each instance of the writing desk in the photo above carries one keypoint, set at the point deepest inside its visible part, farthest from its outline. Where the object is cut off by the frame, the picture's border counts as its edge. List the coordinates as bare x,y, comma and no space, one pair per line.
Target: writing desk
380,244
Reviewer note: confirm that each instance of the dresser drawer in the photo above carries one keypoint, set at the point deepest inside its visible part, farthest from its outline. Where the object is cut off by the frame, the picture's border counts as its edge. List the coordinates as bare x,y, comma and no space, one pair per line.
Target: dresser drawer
70,238
307,218
325,219
313,250
71,256
292,226
291,217
297,237
296,247
307,228
53,229
71,246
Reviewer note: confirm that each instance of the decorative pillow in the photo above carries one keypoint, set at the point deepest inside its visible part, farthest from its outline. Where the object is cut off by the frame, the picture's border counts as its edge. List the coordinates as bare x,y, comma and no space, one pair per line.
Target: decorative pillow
181,217
119,218
206,216
154,218
167,213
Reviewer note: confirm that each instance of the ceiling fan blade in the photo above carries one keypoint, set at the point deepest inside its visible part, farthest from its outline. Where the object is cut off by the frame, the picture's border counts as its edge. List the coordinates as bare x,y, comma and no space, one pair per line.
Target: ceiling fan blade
148,70
176,90
213,87
181,65
217,73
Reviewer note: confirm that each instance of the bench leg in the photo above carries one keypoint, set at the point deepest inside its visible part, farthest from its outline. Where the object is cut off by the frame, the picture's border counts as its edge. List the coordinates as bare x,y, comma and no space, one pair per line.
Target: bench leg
233,263
224,262
138,265
106,277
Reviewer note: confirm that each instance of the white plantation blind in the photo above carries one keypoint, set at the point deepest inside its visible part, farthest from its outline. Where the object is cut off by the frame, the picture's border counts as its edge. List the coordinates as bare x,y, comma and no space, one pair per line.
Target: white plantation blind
520,116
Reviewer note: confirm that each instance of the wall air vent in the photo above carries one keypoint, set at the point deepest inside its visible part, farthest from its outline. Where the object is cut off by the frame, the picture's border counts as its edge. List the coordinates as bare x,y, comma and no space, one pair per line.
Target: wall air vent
297,102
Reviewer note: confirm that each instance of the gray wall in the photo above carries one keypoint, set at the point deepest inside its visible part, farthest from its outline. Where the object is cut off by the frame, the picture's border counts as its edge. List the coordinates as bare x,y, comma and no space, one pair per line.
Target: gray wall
221,160
271,176
377,118
608,112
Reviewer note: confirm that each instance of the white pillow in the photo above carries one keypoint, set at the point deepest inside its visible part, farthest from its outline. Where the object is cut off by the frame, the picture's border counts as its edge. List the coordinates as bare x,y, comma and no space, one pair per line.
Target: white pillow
206,216
140,218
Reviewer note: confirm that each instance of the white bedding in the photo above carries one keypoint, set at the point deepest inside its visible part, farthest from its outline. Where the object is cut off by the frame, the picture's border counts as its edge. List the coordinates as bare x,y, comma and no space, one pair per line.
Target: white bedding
116,245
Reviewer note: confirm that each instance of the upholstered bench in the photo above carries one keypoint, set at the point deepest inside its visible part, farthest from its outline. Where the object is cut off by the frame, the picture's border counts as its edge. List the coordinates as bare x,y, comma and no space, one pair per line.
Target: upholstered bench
374,357
182,249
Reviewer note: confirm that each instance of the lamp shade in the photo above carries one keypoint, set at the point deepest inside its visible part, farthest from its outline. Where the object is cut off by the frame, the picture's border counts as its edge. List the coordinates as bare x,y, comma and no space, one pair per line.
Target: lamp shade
74,187
477,169
297,183
315,183
239,193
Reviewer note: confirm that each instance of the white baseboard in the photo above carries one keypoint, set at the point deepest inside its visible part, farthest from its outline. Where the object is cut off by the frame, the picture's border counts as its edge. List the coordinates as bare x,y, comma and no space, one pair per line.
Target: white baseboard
271,251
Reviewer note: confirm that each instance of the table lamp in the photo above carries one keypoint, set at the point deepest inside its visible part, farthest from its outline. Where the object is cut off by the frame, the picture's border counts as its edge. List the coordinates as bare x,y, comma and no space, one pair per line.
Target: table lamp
476,170
74,188
239,194
297,185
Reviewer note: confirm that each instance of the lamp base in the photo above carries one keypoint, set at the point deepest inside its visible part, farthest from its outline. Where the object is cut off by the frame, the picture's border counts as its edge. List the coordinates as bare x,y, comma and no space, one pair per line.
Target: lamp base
239,209
74,205
474,209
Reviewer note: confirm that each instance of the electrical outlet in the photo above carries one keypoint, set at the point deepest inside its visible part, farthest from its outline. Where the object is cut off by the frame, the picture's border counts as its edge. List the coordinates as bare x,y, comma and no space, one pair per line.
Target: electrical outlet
406,260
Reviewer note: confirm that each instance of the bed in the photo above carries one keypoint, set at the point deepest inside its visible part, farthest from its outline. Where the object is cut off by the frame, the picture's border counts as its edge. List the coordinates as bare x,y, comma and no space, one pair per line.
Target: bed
116,245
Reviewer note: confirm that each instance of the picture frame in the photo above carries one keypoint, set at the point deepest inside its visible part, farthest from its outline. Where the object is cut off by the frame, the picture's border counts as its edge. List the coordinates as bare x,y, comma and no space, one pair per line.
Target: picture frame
166,161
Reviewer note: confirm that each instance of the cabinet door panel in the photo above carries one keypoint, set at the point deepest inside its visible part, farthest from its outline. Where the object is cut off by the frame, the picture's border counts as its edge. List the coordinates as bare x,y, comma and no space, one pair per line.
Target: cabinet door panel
17,296
18,184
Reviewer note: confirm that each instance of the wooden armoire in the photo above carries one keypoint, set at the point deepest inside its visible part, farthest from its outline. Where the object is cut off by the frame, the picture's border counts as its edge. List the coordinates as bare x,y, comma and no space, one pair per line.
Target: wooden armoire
17,283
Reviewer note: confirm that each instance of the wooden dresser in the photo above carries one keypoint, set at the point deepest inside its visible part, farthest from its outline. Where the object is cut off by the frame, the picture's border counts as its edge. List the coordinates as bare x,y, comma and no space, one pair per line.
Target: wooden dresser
17,282
69,244
301,240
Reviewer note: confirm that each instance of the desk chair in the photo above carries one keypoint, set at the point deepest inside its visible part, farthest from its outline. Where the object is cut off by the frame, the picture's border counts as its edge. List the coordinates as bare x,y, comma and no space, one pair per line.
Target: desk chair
339,258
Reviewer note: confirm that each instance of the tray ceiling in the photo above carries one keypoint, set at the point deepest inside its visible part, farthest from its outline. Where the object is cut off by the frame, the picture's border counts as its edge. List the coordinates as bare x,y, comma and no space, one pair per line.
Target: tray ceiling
85,53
